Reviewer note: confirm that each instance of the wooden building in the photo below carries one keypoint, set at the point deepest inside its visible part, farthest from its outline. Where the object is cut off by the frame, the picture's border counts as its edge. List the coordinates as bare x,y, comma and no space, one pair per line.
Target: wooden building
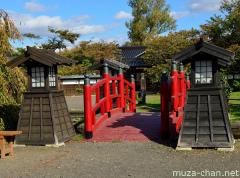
206,121
133,57
44,117
72,85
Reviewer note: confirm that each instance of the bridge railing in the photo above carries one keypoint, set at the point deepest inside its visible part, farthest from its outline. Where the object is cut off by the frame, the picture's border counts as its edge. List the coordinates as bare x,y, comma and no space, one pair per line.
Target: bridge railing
111,95
173,98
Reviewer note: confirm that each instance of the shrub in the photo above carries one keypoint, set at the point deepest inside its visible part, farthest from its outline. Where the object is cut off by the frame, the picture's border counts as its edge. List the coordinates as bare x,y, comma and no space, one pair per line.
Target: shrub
236,85
9,115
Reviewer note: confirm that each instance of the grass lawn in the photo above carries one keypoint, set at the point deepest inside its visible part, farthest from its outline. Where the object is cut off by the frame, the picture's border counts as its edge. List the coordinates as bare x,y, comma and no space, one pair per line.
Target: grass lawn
153,104
234,107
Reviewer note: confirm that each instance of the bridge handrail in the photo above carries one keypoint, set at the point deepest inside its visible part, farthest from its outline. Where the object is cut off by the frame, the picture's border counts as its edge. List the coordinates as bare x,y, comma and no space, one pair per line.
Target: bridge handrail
173,98
123,92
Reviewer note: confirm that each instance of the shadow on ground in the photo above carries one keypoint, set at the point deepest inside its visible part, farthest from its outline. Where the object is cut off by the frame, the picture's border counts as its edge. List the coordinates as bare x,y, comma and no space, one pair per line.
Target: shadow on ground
148,124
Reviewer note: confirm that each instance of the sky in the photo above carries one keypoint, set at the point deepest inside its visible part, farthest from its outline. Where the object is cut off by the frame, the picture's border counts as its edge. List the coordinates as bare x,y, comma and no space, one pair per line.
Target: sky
96,19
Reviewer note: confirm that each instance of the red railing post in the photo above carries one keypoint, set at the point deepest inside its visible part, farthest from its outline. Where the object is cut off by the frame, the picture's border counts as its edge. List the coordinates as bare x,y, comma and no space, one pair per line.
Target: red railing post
107,89
174,87
173,118
121,89
181,86
133,94
88,108
164,90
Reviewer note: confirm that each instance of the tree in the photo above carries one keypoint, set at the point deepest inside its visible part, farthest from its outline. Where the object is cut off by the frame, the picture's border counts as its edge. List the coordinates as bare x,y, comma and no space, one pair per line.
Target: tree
88,53
160,51
224,30
31,35
150,18
12,81
58,41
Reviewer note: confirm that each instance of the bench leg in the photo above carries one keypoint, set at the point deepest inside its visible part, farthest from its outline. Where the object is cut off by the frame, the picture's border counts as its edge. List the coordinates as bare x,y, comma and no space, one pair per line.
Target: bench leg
11,146
2,147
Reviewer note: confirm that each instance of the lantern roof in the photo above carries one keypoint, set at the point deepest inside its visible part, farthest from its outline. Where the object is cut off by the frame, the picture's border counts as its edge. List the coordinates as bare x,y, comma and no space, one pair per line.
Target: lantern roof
43,56
224,56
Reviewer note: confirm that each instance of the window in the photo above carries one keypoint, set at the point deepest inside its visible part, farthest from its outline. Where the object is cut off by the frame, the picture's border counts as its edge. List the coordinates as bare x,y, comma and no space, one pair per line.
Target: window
52,77
37,76
203,72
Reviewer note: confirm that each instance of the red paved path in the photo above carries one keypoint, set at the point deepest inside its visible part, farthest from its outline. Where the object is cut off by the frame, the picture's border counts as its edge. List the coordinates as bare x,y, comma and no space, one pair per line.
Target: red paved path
129,127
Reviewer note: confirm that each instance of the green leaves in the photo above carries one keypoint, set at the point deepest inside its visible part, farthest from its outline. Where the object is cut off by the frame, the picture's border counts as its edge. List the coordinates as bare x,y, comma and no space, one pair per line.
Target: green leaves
150,18
160,51
58,41
87,53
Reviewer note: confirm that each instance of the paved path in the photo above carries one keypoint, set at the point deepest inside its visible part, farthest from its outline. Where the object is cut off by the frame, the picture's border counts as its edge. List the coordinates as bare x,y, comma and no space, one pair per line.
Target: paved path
129,127
114,160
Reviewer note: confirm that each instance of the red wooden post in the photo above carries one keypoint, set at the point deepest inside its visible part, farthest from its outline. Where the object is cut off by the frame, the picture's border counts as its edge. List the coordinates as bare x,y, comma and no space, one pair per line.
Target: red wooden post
174,87
107,89
181,86
133,93
88,108
121,89
173,115
164,90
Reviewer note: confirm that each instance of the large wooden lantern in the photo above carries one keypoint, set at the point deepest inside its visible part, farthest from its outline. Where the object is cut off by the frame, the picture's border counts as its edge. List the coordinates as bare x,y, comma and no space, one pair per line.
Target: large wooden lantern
206,121
44,117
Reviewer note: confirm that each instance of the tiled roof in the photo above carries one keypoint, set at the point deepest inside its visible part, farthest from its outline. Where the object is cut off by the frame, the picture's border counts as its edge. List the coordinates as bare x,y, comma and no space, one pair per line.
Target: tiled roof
224,56
111,63
44,56
132,56
130,52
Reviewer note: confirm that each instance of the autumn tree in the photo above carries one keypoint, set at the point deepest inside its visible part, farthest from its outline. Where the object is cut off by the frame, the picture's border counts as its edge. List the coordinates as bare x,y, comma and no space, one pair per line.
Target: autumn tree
88,53
11,80
150,18
160,51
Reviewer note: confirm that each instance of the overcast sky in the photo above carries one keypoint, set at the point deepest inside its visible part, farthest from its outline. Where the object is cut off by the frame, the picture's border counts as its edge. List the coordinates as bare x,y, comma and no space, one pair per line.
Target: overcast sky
96,19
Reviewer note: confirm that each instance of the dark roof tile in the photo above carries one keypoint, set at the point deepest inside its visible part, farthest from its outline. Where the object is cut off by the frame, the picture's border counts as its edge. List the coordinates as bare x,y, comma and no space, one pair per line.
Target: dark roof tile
46,57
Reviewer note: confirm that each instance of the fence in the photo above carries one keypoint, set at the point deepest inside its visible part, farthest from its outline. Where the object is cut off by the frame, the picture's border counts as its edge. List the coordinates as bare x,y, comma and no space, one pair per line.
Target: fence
113,95
173,97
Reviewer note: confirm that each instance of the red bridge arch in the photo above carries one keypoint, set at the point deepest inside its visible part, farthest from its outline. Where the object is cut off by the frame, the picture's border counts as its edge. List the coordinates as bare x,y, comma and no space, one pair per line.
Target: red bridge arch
107,91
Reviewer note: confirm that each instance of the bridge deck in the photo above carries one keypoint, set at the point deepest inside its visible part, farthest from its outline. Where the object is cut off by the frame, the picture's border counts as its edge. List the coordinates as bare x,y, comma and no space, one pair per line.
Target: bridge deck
129,127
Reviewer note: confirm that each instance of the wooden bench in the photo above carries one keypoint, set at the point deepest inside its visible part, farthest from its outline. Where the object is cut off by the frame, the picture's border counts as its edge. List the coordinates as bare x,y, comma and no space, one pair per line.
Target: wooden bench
9,136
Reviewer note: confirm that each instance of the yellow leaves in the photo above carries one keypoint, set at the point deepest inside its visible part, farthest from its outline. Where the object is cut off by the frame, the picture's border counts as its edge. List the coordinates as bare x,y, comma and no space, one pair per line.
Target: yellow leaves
8,26
12,81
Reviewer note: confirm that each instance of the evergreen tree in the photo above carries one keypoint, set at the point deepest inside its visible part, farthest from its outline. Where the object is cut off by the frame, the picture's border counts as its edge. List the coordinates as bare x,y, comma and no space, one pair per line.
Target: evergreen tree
150,18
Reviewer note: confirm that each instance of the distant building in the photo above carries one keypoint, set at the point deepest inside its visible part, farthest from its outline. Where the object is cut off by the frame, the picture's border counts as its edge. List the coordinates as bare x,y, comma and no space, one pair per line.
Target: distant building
133,57
73,84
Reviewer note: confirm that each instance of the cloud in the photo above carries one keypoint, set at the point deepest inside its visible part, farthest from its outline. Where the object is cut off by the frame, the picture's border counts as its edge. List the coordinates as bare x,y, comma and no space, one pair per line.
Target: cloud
39,24
204,5
34,7
179,15
88,29
123,15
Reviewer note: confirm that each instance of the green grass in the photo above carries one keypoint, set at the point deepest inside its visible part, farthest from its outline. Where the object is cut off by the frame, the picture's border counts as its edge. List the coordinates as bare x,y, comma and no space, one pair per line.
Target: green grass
152,104
234,107
78,137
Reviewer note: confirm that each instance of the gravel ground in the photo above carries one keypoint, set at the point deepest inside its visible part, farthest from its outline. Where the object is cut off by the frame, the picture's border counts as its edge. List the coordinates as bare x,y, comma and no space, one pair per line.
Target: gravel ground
113,159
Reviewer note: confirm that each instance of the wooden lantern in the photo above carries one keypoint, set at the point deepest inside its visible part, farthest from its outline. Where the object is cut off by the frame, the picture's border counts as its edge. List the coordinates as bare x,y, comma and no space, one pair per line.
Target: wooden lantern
206,121
44,117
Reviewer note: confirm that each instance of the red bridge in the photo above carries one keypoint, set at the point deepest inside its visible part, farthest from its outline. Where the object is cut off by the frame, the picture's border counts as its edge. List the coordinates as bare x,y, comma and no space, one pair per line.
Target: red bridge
113,114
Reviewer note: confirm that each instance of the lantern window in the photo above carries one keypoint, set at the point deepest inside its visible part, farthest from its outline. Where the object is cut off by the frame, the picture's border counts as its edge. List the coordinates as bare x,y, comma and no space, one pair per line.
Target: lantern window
37,77
203,72
52,77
